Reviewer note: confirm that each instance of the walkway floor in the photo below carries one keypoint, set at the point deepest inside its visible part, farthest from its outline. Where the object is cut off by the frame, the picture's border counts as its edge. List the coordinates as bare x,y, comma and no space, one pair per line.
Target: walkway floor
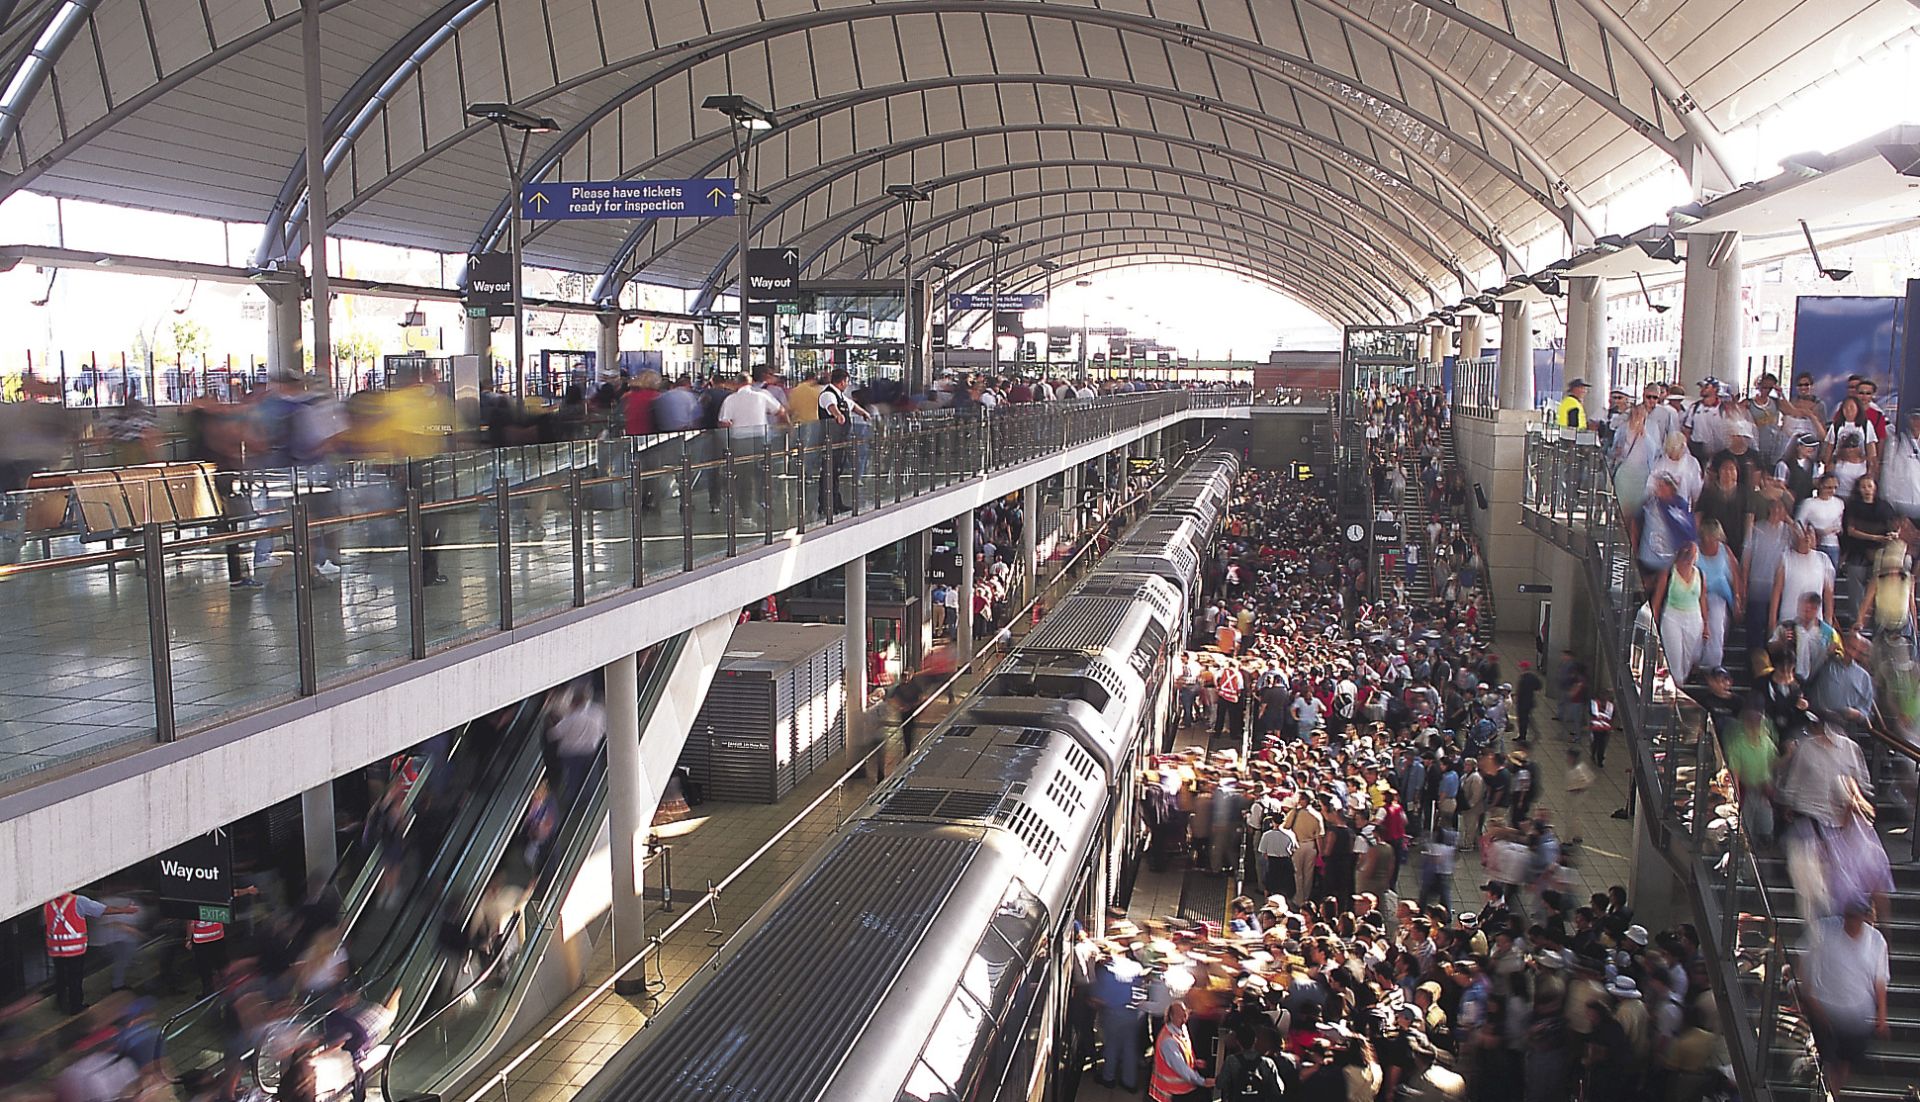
76,670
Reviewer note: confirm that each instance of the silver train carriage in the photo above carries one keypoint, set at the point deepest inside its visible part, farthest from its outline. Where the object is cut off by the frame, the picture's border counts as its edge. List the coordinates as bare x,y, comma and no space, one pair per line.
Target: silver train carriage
921,956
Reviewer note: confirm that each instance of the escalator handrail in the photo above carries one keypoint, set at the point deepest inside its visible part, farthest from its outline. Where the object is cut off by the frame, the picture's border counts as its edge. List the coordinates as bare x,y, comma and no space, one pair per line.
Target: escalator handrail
398,1043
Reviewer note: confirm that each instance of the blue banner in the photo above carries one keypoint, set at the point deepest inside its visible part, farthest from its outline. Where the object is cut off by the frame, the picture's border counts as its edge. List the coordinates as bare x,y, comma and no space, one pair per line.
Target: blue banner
1835,336
569,201
1005,303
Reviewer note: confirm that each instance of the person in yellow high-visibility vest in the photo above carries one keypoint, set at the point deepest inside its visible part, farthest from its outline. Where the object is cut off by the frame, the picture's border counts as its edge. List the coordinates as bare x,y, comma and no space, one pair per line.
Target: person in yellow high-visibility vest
1572,412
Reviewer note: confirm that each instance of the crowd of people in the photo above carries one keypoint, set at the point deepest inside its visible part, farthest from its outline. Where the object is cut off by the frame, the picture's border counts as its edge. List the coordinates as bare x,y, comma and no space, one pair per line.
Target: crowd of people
280,984
1351,756
1772,522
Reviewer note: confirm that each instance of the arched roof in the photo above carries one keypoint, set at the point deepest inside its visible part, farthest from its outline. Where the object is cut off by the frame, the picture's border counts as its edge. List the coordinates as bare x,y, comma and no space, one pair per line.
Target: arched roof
1421,138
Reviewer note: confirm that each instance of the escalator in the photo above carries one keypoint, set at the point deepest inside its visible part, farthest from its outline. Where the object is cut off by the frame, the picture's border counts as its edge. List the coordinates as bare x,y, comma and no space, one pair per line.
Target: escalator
375,924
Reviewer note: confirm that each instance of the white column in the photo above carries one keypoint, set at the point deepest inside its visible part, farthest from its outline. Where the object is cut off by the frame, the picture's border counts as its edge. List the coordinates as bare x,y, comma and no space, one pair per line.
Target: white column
1710,322
1029,538
1471,338
856,653
630,804
1516,357
1587,341
607,351
1437,343
317,831
286,344
963,633
480,343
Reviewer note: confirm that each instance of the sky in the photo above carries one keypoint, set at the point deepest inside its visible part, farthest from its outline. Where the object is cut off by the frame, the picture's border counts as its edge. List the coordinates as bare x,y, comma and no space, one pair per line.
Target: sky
1205,313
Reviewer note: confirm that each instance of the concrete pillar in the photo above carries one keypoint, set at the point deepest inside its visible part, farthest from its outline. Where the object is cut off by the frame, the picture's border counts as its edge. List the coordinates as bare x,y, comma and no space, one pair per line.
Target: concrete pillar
480,343
607,350
1710,321
1437,343
919,633
963,631
1587,341
1030,536
856,653
286,344
317,829
1516,357
1421,346
1472,337
630,804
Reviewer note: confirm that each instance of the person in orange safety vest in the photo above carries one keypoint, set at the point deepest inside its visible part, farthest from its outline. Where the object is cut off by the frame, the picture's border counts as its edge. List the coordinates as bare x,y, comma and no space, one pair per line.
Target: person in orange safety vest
1174,1074
65,917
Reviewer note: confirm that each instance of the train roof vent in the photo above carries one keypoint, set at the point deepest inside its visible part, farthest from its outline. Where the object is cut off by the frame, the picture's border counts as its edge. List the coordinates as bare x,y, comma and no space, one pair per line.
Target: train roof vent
1081,761
961,731
1108,679
1040,838
1081,624
915,803
969,805
1066,794
1033,736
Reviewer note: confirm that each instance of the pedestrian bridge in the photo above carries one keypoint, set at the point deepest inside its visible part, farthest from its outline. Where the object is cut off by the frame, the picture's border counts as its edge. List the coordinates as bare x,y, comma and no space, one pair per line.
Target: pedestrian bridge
143,701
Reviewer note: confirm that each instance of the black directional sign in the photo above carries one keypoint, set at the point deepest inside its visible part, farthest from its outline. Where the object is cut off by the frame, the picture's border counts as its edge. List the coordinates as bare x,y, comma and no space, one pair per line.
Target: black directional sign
195,878
773,274
490,285
943,565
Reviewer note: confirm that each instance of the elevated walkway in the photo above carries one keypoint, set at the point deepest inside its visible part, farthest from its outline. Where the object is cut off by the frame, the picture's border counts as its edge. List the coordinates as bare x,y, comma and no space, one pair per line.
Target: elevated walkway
254,696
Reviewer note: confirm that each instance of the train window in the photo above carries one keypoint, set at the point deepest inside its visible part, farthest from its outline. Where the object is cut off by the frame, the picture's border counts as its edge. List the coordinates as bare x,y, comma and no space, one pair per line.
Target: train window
958,1043
924,1086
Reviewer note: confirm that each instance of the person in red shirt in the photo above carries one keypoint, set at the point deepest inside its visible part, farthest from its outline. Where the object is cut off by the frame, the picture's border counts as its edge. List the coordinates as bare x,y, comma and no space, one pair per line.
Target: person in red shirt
637,406
1393,831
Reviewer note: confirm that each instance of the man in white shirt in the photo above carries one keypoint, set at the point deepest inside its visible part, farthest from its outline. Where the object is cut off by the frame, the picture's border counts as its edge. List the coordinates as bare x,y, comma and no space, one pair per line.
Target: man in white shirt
1846,973
746,414
1277,844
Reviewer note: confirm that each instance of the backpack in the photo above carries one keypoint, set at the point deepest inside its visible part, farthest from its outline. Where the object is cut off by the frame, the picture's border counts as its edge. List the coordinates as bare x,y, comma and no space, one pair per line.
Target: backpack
1250,1077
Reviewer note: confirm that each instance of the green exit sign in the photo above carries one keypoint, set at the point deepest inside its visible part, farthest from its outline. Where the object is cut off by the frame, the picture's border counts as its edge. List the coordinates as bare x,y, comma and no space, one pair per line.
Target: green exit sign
472,312
216,914
787,309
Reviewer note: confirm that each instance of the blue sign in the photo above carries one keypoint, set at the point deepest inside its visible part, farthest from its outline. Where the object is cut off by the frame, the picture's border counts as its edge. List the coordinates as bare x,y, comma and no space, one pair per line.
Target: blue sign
1836,336
569,201
1004,303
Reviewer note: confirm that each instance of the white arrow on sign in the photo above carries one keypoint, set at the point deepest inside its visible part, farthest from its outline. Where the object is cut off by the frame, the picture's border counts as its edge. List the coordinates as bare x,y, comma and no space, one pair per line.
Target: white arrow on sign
791,256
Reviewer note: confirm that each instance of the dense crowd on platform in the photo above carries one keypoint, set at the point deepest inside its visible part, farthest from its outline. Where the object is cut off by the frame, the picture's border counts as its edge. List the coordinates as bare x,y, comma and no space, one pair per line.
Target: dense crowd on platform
1353,753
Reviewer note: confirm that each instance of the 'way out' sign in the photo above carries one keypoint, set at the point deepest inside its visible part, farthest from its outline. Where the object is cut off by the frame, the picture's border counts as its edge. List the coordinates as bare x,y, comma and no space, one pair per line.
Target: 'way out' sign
195,878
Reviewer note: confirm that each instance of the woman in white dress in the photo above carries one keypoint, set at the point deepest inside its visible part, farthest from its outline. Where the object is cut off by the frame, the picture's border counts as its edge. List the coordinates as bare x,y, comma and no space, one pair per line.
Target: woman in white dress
1680,463
1679,603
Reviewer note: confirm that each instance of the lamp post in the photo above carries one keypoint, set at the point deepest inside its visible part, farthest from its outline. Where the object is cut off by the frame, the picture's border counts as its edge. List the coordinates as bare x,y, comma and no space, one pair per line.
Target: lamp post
996,239
1049,267
507,117
908,195
946,268
747,118
1084,285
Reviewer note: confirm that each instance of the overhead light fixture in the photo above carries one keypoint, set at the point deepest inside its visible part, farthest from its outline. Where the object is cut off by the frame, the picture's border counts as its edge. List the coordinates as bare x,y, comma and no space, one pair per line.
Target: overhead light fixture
1904,157
512,118
909,193
868,240
745,113
1835,274
944,265
1048,266
995,237
1611,242
1656,307
1486,304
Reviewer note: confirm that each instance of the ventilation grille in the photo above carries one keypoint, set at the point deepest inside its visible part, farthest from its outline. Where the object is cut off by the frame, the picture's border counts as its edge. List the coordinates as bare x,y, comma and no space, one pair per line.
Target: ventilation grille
1152,639
969,805
1108,680
961,731
1033,736
1081,624
1040,838
915,803
1080,761
1065,794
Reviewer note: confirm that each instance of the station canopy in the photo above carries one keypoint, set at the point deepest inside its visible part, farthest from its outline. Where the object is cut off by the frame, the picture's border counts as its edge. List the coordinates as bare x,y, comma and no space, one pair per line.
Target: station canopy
1366,157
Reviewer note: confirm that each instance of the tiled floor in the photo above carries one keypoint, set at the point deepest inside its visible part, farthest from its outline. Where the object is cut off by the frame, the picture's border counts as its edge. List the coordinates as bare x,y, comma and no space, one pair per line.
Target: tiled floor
76,676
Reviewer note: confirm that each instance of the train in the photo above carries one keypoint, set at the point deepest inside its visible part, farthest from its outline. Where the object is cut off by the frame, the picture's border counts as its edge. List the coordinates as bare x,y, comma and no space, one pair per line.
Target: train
922,955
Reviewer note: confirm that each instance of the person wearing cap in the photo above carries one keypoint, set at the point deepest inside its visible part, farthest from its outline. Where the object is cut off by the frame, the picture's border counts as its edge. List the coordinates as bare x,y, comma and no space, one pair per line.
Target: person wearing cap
1571,413
1708,420
1762,408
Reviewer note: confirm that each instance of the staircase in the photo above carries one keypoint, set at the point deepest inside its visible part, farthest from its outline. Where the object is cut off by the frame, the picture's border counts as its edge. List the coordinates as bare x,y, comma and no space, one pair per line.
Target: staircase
1485,630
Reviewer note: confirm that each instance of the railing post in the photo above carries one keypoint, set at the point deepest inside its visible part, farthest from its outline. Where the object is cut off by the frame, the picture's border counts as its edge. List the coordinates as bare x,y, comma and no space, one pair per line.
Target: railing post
686,506
766,485
503,547
797,461
636,518
577,518
416,564
309,681
159,637
730,495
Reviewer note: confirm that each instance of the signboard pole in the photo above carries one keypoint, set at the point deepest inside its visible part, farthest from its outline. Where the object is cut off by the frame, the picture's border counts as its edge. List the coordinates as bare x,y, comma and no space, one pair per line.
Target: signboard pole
746,285
519,290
